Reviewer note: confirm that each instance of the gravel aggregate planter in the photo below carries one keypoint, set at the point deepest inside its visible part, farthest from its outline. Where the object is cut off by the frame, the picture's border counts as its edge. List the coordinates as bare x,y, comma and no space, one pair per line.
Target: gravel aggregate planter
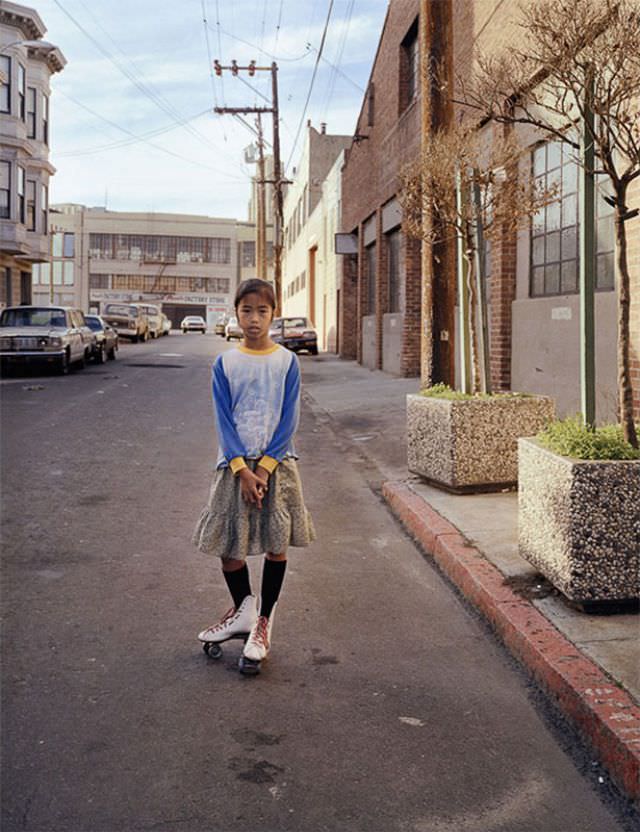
579,523
471,444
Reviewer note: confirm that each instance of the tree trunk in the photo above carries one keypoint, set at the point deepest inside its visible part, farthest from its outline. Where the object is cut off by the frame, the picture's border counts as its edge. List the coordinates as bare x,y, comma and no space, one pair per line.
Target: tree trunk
469,256
625,392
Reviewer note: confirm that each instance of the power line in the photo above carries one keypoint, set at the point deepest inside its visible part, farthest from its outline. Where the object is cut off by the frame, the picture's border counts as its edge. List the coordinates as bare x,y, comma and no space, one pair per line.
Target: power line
340,52
313,78
208,42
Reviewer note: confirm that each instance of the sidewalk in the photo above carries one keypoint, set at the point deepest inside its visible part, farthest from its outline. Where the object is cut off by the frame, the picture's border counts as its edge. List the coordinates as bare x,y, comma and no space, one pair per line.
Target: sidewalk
589,664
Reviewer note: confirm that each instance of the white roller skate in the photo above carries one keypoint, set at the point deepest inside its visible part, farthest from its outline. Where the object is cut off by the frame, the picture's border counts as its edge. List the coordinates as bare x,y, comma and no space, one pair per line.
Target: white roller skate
257,646
237,623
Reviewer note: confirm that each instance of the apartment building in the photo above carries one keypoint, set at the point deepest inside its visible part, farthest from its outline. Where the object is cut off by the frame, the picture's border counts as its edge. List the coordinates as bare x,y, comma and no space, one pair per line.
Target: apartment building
311,271
532,274
27,63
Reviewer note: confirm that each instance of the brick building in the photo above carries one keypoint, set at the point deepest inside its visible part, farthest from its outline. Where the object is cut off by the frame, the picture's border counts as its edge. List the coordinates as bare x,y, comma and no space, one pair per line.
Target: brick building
532,274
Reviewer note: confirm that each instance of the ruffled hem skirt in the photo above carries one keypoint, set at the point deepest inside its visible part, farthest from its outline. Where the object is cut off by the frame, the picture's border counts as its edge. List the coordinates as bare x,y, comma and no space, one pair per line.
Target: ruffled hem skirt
232,529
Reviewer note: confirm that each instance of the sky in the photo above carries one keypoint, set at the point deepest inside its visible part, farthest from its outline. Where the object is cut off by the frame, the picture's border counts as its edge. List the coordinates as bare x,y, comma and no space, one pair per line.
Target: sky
141,69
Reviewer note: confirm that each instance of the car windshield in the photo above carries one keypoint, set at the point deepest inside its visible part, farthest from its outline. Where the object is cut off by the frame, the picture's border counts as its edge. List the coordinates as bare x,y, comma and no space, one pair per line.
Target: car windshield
290,323
93,323
32,316
121,309
233,321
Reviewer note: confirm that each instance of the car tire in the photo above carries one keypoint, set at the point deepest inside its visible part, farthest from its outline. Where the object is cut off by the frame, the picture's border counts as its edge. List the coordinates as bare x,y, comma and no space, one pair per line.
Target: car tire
101,356
63,364
313,350
111,354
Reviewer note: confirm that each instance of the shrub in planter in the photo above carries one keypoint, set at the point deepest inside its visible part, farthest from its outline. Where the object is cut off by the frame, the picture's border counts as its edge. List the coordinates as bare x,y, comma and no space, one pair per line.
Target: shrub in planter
465,442
579,510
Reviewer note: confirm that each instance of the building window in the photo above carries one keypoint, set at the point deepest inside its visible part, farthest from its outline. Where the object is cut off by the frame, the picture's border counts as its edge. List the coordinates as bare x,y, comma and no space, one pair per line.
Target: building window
409,66
396,293
5,190
22,91
45,119
25,287
5,86
555,229
31,112
68,246
370,253
67,272
98,281
44,208
31,205
248,254
21,196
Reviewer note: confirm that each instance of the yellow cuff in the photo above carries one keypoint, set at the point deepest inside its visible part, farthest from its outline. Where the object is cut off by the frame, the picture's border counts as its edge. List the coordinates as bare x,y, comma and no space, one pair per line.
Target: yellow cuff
268,463
237,464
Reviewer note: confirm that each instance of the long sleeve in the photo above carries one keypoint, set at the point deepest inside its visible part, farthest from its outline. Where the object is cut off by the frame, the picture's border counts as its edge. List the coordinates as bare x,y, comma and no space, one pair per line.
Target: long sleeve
287,426
228,438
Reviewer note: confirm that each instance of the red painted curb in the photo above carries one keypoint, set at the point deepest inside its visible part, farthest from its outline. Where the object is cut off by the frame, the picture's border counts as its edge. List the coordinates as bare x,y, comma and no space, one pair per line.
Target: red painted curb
604,714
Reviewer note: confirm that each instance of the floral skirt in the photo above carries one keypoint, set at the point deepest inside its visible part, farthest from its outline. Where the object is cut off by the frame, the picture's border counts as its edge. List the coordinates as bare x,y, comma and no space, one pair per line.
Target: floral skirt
232,529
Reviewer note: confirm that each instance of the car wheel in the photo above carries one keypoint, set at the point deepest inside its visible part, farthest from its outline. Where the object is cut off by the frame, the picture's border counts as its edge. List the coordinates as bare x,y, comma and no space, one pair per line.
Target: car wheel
101,354
111,354
63,364
313,350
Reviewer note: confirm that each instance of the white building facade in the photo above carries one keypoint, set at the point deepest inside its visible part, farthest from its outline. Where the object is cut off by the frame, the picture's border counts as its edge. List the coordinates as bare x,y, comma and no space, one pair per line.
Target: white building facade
26,66
311,269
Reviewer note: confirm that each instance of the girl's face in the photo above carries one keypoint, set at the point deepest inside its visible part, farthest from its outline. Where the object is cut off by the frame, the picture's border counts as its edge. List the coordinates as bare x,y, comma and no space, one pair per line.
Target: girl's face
255,314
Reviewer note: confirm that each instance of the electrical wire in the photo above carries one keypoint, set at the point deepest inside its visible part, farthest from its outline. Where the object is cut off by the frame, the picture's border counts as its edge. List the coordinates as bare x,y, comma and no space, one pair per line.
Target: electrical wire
338,60
208,42
313,78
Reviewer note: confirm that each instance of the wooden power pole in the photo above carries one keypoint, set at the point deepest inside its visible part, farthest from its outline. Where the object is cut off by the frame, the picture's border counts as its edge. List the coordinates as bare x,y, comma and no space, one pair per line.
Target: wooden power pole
278,180
261,224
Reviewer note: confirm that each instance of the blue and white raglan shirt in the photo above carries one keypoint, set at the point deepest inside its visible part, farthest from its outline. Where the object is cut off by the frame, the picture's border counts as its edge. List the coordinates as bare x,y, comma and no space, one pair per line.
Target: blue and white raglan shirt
256,395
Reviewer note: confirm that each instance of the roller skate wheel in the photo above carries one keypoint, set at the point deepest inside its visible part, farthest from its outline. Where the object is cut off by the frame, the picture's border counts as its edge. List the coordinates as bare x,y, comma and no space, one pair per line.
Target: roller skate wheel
248,667
213,650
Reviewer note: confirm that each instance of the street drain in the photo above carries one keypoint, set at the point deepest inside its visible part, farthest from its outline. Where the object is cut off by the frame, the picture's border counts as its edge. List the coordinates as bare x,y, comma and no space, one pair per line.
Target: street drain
161,366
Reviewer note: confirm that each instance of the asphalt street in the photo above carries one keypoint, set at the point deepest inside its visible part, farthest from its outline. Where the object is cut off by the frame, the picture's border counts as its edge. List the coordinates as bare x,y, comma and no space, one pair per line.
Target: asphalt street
386,705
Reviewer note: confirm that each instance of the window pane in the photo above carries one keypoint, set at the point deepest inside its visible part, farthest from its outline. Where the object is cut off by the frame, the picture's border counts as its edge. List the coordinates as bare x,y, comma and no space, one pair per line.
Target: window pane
68,250
570,277
539,156
537,222
537,251
570,178
68,273
537,286
552,279
553,247
553,216
57,245
570,243
605,240
554,151
57,272
605,273
570,210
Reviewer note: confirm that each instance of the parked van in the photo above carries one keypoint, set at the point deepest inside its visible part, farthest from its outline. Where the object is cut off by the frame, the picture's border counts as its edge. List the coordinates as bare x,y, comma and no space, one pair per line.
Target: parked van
154,317
128,321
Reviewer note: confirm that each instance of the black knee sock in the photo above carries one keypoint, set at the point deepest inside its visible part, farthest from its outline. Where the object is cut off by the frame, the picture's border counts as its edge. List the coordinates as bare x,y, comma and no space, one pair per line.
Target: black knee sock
239,584
272,578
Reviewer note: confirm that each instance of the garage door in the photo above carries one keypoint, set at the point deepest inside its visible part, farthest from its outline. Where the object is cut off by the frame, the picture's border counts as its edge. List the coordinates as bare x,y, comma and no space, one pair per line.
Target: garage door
177,311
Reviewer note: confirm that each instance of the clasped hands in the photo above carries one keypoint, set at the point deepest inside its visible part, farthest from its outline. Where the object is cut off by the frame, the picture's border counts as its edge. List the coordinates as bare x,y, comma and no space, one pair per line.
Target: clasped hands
254,485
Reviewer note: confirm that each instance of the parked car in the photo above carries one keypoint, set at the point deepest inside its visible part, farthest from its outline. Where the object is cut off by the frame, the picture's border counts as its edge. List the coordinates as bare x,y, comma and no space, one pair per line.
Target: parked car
57,336
166,324
232,329
154,318
221,325
193,323
106,344
295,334
128,321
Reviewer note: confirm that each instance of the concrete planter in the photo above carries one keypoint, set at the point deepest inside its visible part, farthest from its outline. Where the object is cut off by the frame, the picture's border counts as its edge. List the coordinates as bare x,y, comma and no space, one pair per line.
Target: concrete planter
471,444
579,523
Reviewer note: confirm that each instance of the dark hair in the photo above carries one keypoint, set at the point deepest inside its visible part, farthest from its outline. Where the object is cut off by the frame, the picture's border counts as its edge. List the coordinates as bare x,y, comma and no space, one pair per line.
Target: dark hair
260,287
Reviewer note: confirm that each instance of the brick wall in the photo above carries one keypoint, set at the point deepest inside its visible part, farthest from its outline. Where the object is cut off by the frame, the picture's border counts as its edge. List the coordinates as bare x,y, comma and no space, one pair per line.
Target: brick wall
371,178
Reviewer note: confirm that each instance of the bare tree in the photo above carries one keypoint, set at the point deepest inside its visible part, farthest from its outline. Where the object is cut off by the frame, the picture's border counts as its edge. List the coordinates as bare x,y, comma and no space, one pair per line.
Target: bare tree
576,58
437,198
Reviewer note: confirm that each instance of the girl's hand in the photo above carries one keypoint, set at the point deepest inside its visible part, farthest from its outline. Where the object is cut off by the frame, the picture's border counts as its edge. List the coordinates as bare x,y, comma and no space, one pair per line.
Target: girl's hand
252,487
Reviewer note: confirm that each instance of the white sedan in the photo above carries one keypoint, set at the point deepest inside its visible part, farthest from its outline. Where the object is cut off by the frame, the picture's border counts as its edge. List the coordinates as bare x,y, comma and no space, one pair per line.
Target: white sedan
193,323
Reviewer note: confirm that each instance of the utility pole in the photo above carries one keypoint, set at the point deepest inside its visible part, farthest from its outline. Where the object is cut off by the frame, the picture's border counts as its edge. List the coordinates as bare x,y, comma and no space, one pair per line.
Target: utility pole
261,224
277,180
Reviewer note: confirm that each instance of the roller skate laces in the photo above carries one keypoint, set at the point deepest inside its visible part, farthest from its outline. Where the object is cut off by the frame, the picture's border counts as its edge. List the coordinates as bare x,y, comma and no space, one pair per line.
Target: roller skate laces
258,643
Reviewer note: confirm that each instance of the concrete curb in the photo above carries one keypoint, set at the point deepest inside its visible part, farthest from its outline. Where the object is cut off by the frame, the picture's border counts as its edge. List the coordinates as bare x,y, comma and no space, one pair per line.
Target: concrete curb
603,713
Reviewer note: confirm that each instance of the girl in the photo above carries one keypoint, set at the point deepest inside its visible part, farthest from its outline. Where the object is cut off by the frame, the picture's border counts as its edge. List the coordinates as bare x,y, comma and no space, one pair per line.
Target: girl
255,504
